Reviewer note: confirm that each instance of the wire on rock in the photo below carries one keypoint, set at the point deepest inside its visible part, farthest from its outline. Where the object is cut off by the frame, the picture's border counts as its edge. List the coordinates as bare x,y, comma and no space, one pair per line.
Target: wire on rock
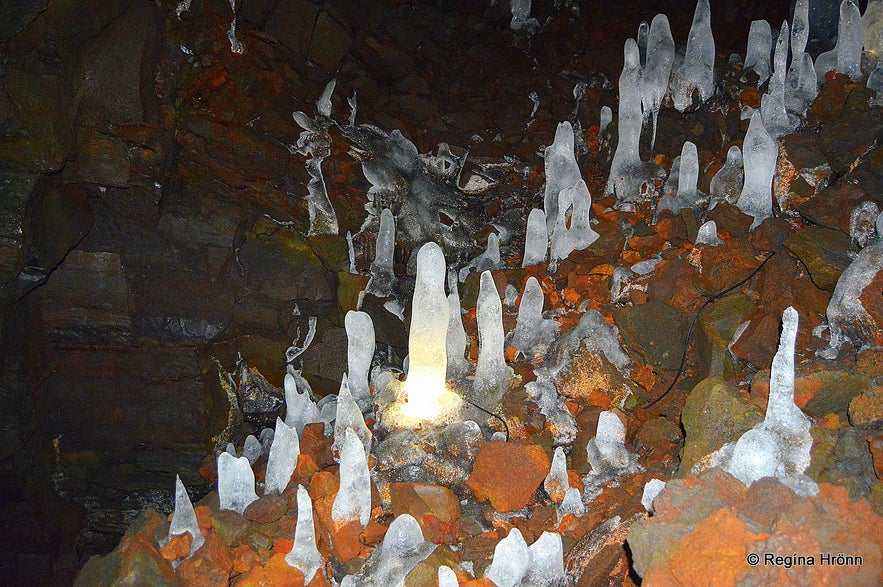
493,415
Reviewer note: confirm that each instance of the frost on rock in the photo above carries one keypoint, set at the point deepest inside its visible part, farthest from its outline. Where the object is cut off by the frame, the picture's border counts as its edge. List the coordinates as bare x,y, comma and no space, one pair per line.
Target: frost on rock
304,554
403,548
536,240
556,483
759,151
696,72
862,223
707,234
848,319
511,560
283,458
552,406
489,260
652,488
382,275
780,445
184,519
546,561
687,195
533,334
580,235
726,185
561,170
349,417
353,499
360,353
235,483
492,375
760,46
300,410
629,176
655,77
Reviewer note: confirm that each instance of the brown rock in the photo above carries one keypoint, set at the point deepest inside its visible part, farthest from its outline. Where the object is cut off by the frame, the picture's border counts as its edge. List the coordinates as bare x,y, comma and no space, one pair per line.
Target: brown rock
866,410
268,508
507,474
435,508
276,573
211,565
177,547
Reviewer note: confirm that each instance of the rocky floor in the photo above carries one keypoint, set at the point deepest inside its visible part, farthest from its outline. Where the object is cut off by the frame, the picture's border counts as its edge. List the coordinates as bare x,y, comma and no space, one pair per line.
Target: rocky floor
154,220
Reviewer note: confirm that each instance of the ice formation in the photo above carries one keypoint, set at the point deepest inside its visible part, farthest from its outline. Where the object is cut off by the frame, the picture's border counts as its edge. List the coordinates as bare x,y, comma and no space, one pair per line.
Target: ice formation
760,46
283,458
696,72
849,41
184,519
353,499
780,445
652,488
580,234
707,234
304,555
655,76
628,174
252,449
726,185
511,560
382,275
847,317
552,406
606,119
235,43
522,21
556,482
457,365
643,33
862,223
300,410
571,504
772,105
360,353
799,27
872,27
488,260
561,170
349,417
760,152
546,561
492,375
536,240
402,549
607,451
447,577
687,195
533,333
235,483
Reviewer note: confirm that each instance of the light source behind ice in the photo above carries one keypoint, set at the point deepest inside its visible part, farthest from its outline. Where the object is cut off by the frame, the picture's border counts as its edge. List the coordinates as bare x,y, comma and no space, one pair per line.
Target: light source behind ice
360,353
511,560
184,519
759,151
353,499
283,458
235,483
304,555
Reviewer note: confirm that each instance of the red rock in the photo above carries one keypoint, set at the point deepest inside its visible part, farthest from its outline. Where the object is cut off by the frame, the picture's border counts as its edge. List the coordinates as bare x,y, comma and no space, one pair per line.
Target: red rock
203,517
314,443
507,474
343,538
276,573
435,508
211,565
178,547
245,559
268,508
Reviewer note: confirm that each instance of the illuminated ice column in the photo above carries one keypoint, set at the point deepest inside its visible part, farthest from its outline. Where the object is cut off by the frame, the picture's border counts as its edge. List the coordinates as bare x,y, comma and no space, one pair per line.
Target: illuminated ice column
427,344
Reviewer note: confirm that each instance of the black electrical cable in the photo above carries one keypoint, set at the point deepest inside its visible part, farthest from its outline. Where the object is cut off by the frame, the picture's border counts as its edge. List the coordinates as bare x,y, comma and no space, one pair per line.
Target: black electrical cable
493,415
693,324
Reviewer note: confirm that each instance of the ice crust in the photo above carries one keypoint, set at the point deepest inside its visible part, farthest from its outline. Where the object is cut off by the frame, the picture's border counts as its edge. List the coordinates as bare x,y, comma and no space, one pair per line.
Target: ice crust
304,555
283,458
235,483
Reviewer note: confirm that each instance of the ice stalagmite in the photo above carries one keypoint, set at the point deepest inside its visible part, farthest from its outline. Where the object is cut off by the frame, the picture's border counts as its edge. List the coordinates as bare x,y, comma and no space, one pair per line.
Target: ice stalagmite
759,152
687,195
607,449
349,417
707,234
492,375
643,33
580,235
488,260
353,499
655,77
457,365
556,482
283,458
872,27
652,489
561,170
521,19
304,555
628,174
382,275
184,519
726,185
800,27
536,241
697,70
235,483
511,561
772,105
546,558
606,119
252,449
779,446
571,504
849,41
402,549
533,333
760,45
447,577
300,410
360,353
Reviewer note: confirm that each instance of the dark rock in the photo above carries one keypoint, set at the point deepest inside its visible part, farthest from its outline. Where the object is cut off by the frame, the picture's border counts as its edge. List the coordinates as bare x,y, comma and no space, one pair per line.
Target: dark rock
715,413
654,331
731,219
330,42
717,326
291,23
823,252
325,361
104,162
15,189
229,526
852,132
268,508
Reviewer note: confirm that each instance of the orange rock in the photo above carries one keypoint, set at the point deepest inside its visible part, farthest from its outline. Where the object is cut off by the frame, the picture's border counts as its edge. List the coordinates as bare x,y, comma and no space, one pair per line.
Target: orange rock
344,538
600,399
435,508
373,532
324,484
276,573
510,352
313,442
493,479
245,559
571,295
575,480
643,375
203,517
178,547
750,97
211,565
306,467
